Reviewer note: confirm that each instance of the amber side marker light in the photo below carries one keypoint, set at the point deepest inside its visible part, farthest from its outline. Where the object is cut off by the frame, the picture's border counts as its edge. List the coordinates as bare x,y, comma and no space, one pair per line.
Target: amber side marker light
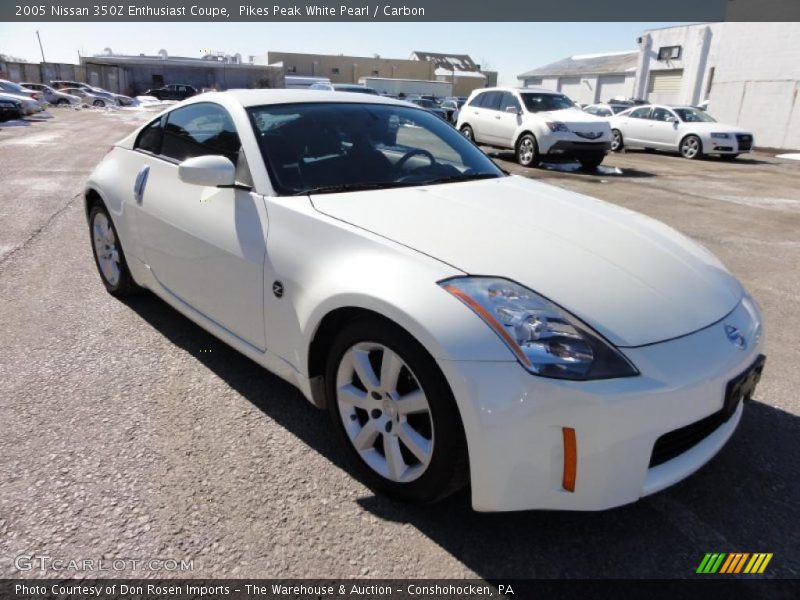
570,459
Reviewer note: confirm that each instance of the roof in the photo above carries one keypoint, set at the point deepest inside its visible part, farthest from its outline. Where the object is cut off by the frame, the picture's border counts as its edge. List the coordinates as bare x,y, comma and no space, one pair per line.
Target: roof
511,88
587,64
448,62
287,96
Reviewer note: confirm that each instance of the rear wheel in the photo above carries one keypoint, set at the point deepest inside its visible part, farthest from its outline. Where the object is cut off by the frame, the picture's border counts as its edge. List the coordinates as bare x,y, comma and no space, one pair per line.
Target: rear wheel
62,102
395,413
108,254
691,147
98,103
527,151
466,131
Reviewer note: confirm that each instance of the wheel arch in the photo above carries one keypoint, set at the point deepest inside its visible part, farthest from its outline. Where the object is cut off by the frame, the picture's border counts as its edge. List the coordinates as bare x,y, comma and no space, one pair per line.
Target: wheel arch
692,134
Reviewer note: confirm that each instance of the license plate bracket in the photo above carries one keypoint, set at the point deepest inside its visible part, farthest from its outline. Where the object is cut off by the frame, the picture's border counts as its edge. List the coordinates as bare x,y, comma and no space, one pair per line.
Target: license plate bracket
742,387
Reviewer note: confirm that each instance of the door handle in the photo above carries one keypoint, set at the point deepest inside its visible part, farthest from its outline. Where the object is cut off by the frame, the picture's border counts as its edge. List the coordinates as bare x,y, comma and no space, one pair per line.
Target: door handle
141,181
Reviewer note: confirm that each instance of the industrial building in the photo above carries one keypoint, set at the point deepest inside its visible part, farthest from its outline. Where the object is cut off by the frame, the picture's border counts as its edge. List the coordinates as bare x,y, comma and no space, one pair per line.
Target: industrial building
134,74
748,72
458,69
345,69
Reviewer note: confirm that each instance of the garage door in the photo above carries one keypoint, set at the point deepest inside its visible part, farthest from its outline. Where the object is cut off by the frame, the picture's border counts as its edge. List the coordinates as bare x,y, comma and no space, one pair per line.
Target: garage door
665,86
611,86
570,87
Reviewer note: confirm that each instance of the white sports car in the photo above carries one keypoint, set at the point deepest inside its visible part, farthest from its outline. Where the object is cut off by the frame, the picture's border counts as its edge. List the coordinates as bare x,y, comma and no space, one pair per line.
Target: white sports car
460,325
684,129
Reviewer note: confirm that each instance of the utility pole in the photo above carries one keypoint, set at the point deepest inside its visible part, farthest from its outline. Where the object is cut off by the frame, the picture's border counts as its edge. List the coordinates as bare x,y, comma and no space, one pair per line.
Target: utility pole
41,49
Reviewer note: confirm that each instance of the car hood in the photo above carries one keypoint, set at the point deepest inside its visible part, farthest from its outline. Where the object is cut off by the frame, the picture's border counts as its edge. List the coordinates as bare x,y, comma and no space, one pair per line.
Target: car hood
633,279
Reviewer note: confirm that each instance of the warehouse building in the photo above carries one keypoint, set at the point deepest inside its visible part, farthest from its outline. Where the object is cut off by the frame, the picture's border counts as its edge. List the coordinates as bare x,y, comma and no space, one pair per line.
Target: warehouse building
748,72
346,69
458,69
136,74
587,78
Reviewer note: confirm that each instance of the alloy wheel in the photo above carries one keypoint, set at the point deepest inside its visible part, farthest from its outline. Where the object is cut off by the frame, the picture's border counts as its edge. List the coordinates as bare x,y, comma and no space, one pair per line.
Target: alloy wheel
385,412
105,247
526,151
616,140
690,147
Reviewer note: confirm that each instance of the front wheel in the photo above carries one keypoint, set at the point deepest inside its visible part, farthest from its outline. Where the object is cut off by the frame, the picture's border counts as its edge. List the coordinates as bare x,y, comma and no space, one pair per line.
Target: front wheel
527,151
691,147
62,102
591,161
395,413
98,103
466,131
616,140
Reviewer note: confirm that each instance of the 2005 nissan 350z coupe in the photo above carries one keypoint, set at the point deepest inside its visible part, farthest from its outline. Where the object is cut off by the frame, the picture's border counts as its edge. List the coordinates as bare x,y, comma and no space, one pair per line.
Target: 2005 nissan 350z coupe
461,326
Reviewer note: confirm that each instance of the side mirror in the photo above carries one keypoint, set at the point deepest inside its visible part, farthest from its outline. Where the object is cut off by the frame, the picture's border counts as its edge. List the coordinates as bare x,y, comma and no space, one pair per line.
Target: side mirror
210,170
511,109
672,120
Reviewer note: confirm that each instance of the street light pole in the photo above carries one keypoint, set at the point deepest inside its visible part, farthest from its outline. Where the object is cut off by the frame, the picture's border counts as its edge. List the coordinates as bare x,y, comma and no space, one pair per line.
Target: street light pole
41,49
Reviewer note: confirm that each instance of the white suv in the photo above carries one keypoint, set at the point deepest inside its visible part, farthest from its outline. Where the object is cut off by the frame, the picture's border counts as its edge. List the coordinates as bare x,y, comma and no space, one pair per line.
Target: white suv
536,123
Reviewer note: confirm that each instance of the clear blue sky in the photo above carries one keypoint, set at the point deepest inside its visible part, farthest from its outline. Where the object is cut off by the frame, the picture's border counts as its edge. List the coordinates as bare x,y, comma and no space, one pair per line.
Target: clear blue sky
510,48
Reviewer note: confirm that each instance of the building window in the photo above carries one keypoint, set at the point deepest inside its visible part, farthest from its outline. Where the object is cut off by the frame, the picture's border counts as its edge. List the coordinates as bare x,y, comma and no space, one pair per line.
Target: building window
291,69
335,71
669,53
376,73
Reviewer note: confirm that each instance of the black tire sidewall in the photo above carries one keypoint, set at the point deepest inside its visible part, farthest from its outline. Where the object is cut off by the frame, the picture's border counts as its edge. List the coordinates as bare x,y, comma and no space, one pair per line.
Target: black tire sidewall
448,470
471,136
617,132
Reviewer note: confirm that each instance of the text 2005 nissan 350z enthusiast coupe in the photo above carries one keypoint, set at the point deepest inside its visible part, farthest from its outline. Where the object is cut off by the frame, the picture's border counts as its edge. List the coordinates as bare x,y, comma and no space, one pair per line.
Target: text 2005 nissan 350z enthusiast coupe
460,325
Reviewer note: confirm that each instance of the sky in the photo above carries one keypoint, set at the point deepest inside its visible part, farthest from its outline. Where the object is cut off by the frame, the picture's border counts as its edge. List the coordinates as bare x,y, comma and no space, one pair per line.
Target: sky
509,48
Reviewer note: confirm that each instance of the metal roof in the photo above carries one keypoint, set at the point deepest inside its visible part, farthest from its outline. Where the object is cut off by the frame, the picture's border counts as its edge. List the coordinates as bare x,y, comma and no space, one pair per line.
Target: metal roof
588,64
449,62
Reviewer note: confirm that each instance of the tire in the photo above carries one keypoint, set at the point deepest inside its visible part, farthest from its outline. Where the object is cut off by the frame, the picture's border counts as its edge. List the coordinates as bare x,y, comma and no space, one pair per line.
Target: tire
527,151
728,156
62,102
467,132
108,255
98,103
617,143
691,147
372,421
591,162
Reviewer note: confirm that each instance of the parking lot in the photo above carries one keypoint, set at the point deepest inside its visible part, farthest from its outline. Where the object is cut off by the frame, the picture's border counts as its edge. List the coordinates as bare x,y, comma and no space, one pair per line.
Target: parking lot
126,431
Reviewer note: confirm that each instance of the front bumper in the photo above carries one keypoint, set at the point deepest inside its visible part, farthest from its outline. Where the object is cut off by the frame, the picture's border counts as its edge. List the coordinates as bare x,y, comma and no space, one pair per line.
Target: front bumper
576,148
514,421
735,144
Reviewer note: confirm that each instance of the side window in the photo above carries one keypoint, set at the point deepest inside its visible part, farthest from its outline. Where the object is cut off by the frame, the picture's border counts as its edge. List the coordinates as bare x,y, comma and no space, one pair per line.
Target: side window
149,139
509,101
641,113
478,100
661,114
492,100
200,129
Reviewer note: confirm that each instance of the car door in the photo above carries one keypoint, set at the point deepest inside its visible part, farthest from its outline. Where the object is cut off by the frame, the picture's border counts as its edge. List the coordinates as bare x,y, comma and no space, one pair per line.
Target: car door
206,246
476,115
664,125
635,126
503,124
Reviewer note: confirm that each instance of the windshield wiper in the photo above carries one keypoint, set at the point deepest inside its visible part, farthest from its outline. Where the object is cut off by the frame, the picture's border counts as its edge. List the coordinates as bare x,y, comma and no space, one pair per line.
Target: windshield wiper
349,187
455,178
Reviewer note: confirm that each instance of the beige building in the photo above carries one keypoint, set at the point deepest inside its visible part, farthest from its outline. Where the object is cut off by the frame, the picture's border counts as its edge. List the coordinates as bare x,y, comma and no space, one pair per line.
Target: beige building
458,69
348,69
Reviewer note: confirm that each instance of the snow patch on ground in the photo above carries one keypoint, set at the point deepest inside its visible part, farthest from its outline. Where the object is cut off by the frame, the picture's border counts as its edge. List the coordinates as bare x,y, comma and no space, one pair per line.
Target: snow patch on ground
790,156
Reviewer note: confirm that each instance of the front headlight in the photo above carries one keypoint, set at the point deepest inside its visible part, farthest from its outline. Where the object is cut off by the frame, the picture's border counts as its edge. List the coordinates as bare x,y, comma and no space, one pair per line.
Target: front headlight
546,339
721,136
557,126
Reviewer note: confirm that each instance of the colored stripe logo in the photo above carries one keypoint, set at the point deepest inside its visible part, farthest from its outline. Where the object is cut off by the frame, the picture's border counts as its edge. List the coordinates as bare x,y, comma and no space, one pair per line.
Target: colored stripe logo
735,562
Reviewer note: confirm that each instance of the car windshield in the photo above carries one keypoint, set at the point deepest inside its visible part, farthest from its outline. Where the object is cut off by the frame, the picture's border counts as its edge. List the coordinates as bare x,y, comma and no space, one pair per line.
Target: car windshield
424,103
618,108
692,115
337,147
11,87
546,102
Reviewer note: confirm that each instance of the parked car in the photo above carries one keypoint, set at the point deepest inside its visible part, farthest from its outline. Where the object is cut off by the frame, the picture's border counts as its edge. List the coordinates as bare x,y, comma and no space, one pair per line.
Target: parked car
343,87
88,97
460,325
606,110
53,96
451,108
10,108
173,91
28,105
535,123
683,129
9,87
60,84
119,99
109,98
430,106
